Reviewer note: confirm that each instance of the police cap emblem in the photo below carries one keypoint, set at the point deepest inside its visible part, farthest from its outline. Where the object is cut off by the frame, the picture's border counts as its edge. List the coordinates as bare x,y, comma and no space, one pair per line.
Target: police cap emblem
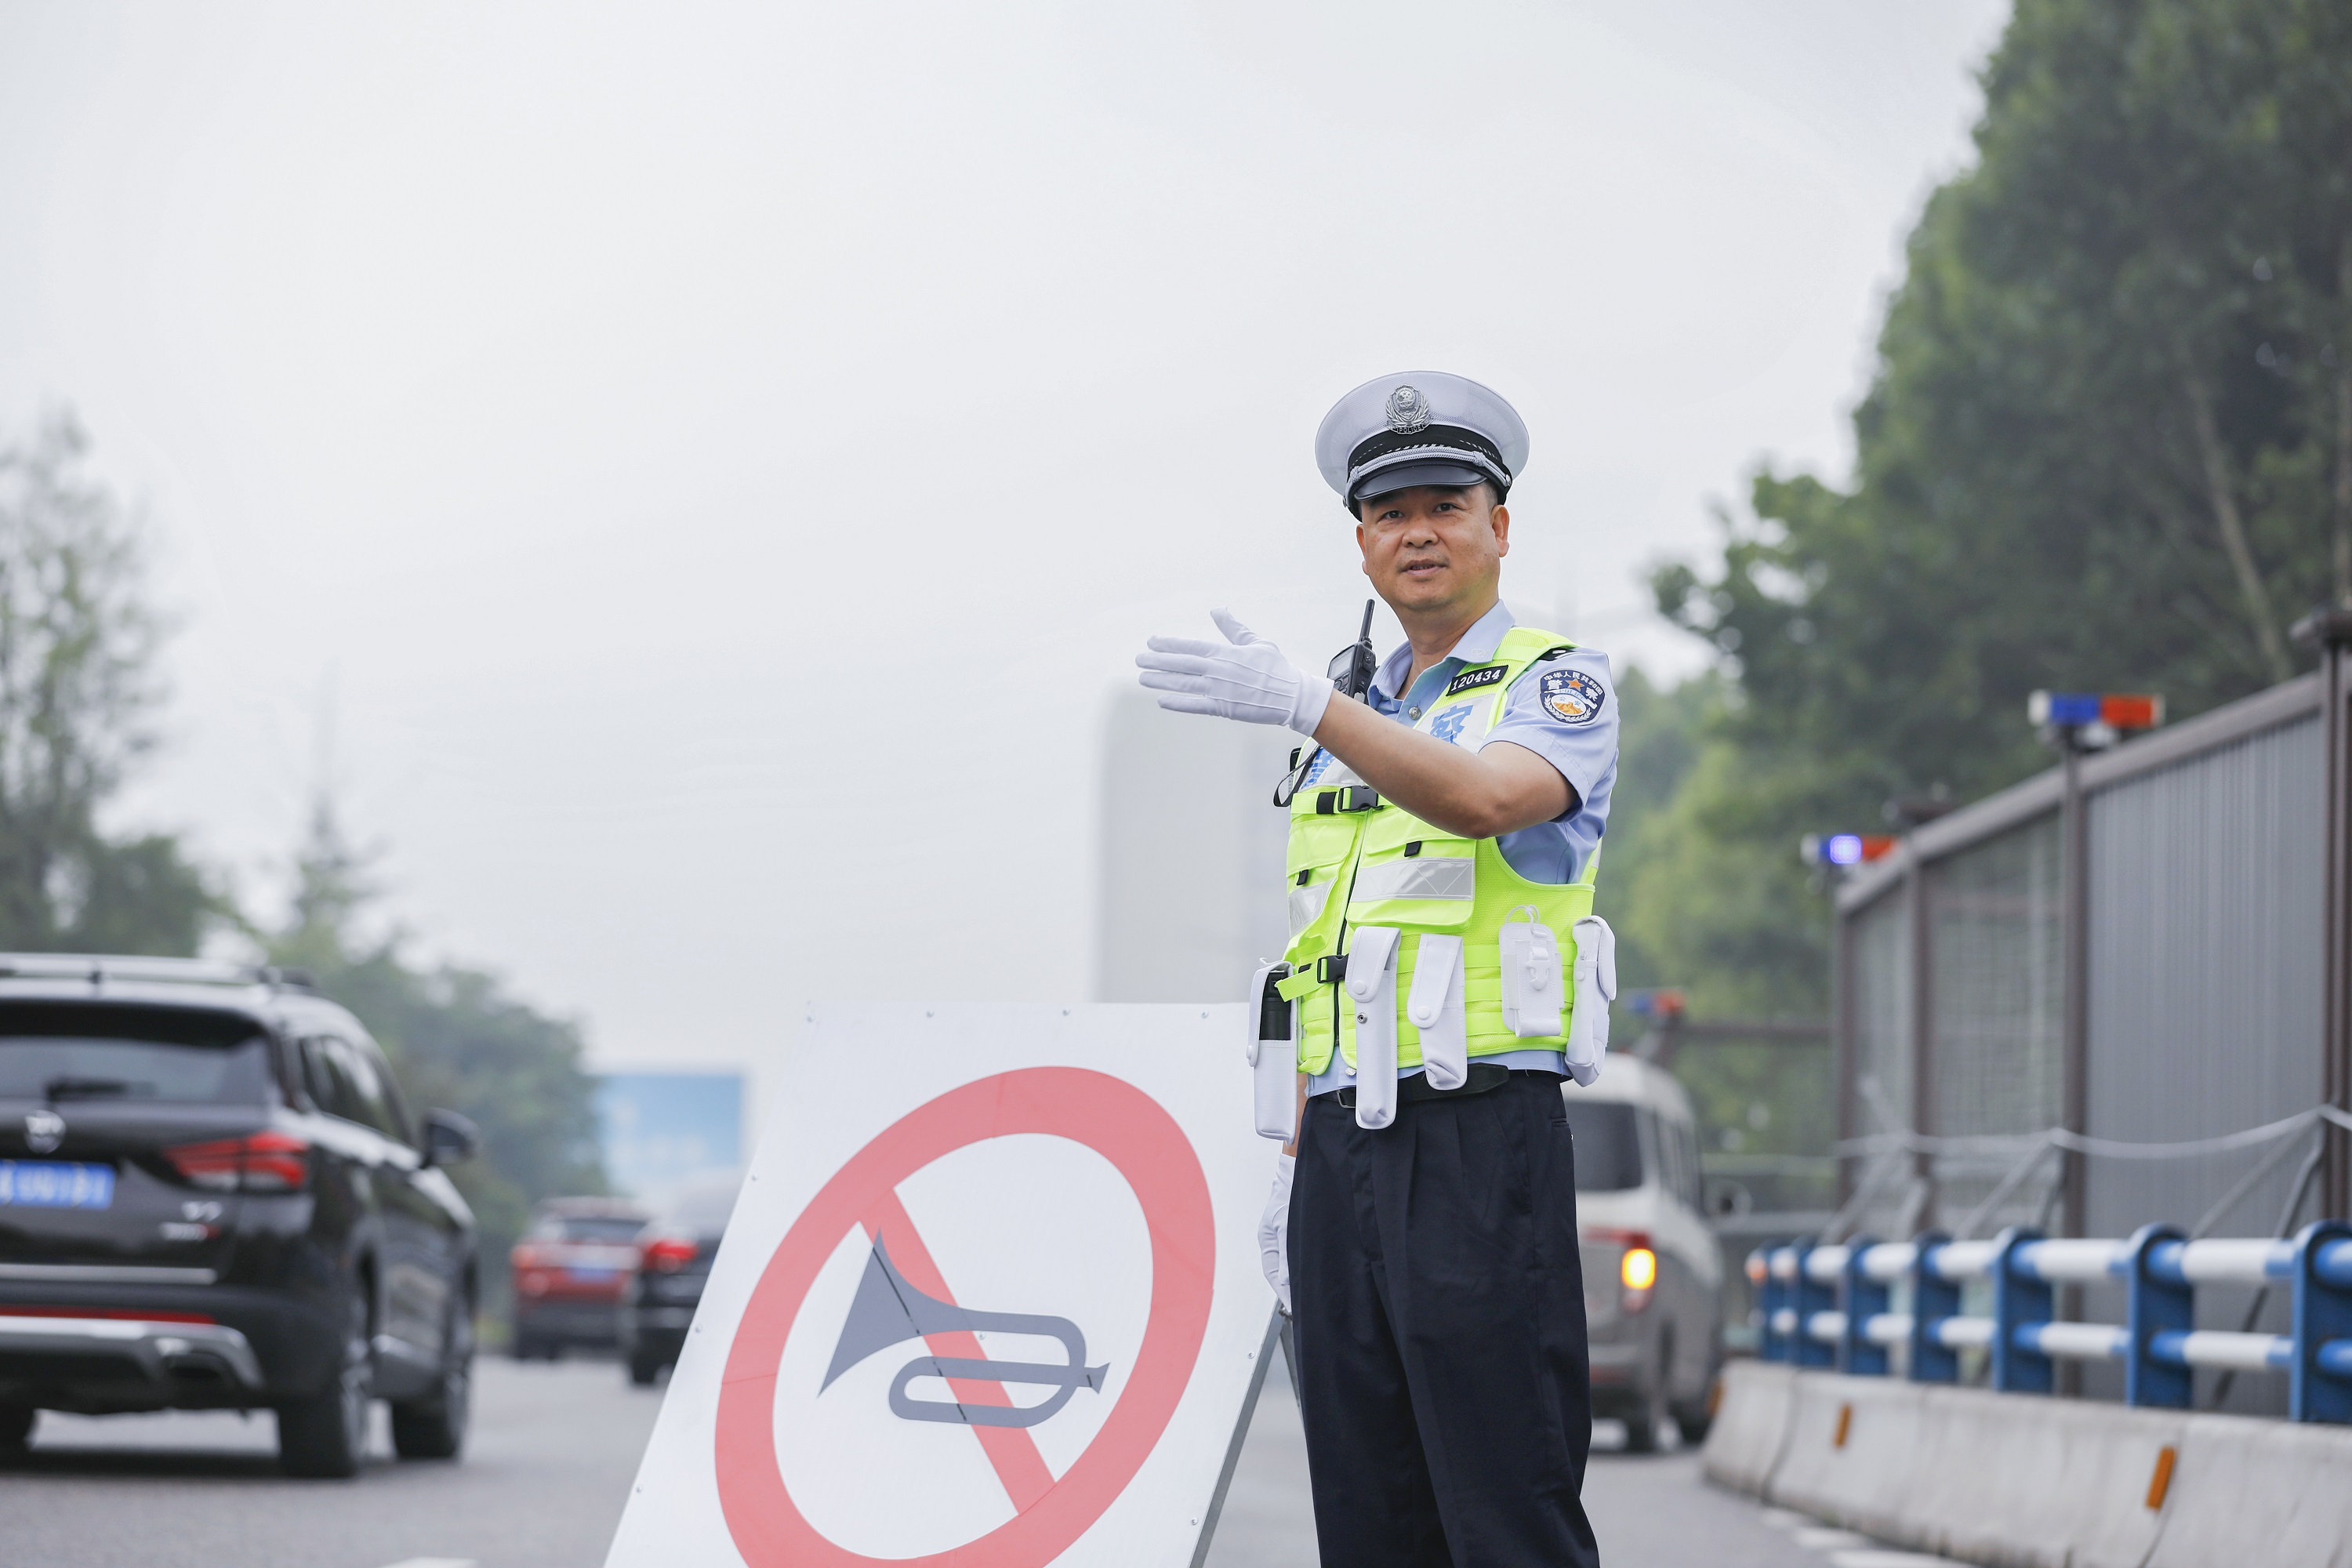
1408,410
1571,696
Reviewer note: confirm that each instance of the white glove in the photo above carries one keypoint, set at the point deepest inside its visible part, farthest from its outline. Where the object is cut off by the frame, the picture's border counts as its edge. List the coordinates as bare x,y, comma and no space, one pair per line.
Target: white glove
1274,1233
1249,680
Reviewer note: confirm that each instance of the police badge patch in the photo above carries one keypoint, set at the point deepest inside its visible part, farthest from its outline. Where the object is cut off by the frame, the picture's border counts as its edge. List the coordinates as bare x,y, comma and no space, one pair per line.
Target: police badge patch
1573,697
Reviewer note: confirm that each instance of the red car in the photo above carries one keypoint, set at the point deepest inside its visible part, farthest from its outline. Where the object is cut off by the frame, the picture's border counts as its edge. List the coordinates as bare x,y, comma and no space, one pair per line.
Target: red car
569,1269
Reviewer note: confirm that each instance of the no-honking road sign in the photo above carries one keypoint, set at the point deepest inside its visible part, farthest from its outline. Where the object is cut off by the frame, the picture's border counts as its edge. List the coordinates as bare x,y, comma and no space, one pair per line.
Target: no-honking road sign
989,1298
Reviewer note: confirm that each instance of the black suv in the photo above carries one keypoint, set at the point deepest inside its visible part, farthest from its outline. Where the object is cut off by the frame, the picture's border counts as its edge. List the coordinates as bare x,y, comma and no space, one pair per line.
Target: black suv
211,1197
674,1255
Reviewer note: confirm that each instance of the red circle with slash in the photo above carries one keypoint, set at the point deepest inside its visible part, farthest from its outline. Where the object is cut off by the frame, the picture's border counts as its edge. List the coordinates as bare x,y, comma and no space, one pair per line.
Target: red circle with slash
1144,1144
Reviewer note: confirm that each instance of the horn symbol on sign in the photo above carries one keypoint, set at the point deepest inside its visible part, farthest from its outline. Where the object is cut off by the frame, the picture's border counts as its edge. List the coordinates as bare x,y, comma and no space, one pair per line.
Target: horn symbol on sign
888,1311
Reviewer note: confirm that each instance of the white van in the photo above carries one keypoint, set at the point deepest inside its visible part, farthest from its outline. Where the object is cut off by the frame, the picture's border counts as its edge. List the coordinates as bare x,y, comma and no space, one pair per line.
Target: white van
1653,1274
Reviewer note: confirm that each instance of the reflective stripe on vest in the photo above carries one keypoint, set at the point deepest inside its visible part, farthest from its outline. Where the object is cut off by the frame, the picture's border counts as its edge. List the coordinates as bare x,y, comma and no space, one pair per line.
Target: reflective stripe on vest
1385,867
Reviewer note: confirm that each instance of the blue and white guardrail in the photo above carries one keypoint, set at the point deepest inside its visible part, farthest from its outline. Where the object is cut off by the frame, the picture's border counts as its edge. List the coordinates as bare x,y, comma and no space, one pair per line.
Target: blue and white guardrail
1828,1306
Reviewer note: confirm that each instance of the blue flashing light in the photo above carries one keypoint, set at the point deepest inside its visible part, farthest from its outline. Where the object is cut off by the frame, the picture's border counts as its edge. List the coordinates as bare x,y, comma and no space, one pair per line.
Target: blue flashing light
2065,707
1843,849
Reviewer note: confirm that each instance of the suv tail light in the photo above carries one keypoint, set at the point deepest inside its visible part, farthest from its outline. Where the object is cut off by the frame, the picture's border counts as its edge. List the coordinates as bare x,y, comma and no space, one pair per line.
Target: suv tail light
111,1314
666,1254
259,1162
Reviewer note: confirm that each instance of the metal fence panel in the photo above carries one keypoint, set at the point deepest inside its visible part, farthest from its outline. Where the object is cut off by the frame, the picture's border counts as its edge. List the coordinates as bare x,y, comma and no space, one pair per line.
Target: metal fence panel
1996,1010
2206,904
2203,993
1882,1016
1881,1052
2205,985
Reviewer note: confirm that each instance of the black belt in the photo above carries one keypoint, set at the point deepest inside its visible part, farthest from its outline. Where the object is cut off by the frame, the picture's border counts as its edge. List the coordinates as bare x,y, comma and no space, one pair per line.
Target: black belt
1484,1077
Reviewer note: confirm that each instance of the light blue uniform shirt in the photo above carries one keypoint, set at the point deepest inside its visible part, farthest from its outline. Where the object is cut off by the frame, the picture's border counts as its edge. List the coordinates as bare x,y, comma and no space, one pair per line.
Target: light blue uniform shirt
1583,748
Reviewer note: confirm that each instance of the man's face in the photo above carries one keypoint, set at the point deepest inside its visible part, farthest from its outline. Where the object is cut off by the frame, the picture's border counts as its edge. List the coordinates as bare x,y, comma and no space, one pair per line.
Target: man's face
1432,550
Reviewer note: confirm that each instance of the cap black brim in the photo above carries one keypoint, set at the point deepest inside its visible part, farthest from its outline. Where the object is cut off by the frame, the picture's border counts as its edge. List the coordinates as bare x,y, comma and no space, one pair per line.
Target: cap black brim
1439,475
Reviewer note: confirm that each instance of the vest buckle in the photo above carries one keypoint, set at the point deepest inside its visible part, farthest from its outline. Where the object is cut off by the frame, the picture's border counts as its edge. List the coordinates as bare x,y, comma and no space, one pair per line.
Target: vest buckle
1337,802
1330,969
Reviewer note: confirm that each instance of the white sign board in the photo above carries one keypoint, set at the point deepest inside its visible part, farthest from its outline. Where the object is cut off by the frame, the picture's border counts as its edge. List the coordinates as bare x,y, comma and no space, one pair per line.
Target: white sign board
989,1298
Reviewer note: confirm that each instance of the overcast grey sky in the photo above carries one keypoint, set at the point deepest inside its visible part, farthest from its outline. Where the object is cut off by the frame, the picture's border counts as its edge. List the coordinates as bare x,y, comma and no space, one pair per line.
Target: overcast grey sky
713,460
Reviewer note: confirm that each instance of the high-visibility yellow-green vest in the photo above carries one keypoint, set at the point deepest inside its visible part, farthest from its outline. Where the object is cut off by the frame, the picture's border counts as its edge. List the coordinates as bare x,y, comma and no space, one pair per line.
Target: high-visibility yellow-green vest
1358,860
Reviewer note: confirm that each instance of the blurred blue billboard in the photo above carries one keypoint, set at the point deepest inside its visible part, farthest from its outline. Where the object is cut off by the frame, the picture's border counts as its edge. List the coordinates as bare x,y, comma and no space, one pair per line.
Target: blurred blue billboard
662,1129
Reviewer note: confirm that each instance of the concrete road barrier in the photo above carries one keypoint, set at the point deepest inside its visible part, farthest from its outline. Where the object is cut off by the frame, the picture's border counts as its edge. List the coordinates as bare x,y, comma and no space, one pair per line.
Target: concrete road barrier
1854,1451
2249,1492
2025,1481
1750,1424
2017,1480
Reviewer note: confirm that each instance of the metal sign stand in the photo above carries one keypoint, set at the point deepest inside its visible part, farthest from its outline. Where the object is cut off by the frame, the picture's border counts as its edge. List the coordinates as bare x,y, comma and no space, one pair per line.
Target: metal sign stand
1277,1333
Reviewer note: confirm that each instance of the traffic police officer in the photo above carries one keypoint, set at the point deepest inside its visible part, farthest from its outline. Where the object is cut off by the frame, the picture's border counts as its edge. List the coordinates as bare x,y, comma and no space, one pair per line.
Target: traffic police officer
1445,835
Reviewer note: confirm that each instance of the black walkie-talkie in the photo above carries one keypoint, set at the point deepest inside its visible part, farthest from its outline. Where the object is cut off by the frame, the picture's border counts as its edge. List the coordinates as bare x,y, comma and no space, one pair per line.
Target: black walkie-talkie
1351,669
1351,675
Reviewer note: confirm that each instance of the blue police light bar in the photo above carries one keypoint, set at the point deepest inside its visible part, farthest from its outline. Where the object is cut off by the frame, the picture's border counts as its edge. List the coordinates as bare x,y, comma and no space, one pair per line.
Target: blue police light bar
1844,848
1660,1002
2062,708
2118,710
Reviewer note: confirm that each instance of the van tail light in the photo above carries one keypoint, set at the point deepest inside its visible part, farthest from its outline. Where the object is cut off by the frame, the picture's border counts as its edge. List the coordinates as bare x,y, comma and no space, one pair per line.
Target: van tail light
1637,1263
666,1254
1639,1269
259,1163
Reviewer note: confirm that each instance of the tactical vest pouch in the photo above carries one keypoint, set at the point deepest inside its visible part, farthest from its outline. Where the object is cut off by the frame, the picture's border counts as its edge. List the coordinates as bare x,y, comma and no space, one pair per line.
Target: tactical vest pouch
1531,977
1436,1005
1372,986
1273,1053
1596,987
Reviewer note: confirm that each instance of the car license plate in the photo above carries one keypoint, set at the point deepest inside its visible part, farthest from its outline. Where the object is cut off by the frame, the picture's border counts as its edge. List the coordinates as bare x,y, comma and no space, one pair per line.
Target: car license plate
593,1275
56,1185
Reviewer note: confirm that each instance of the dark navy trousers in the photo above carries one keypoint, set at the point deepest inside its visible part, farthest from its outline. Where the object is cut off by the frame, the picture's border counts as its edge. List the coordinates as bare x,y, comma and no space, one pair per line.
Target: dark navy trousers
1440,1317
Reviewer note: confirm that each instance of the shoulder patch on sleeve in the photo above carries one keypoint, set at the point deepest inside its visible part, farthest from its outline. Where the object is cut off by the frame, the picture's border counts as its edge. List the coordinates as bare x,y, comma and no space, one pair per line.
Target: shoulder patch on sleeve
1571,696
1471,680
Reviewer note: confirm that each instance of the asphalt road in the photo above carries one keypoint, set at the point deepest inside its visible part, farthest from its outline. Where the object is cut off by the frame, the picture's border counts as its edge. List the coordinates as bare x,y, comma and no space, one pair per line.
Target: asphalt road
1648,1510
553,1452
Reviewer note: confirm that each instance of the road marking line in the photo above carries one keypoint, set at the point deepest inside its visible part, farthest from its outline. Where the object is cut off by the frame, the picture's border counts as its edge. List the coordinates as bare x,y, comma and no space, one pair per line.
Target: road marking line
1847,1549
437,1563
1821,1538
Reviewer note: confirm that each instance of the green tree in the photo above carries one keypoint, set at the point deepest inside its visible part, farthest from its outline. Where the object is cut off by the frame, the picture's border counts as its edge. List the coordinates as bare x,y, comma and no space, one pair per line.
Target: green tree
78,643
1693,889
1688,878
456,1040
2108,446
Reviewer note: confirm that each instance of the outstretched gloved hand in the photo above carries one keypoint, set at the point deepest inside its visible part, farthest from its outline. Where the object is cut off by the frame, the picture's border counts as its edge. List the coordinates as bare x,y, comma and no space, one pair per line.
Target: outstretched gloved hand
1274,1233
1244,677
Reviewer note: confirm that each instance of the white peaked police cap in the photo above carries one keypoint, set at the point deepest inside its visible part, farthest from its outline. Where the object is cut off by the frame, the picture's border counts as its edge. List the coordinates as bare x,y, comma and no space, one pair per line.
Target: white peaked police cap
1418,428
